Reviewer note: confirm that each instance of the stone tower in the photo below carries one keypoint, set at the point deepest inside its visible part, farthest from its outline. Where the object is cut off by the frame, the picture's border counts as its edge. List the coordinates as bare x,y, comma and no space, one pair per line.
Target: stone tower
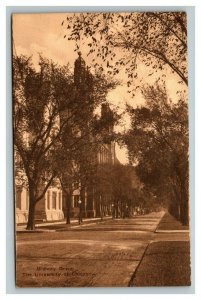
79,70
83,79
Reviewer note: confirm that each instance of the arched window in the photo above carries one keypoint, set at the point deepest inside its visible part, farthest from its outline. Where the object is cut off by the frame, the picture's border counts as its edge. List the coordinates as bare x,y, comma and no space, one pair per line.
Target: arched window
54,200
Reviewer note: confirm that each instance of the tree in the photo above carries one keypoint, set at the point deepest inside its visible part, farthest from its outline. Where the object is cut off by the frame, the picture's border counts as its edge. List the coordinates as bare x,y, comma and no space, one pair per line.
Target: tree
102,187
38,98
158,145
36,132
79,164
76,170
85,169
124,188
122,40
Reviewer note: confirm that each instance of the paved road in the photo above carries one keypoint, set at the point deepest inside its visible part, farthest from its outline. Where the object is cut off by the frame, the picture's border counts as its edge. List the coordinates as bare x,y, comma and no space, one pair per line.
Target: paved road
105,254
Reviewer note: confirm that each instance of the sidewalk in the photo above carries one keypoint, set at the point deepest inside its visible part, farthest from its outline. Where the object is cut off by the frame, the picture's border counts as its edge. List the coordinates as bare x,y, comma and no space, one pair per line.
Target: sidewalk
169,223
165,262
59,225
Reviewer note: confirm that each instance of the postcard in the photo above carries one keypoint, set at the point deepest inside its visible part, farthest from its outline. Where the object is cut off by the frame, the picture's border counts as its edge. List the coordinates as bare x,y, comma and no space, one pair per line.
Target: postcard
101,149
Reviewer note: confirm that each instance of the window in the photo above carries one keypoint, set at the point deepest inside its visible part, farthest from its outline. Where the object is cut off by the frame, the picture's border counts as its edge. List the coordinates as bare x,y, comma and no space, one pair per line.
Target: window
60,201
76,199
27,199
54,200
48,200
18,198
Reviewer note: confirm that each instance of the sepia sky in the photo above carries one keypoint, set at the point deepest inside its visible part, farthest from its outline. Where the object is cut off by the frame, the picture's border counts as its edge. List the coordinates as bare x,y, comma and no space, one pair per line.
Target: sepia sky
43,33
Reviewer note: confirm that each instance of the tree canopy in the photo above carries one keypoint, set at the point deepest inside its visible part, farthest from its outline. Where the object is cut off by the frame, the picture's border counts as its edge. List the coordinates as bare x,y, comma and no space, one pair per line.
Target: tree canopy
123,40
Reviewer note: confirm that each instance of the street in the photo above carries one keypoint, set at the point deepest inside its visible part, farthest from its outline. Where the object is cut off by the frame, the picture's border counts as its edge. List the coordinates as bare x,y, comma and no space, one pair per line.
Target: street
111,253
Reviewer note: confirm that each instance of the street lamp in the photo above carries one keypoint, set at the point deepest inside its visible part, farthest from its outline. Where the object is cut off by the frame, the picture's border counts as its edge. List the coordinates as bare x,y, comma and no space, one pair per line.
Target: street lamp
127,214
112,210
80,212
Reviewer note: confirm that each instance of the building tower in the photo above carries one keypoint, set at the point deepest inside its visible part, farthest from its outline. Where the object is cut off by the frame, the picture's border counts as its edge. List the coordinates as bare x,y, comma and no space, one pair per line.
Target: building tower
79,71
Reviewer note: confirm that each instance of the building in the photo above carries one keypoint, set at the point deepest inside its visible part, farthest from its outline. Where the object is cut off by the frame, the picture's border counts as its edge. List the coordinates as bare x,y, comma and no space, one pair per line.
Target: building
53,205
92,203
48,209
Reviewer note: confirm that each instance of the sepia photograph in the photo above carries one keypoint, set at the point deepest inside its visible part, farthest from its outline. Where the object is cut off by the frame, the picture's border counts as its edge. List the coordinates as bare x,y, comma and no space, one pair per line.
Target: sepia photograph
101,149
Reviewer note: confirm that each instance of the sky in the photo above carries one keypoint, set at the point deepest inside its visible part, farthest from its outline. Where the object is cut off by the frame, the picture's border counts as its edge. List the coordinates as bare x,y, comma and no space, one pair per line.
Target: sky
43,33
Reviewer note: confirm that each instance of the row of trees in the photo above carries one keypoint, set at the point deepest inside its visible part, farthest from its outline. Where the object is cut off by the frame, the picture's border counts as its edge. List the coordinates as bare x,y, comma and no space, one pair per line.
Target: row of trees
158,146
123,187
54,126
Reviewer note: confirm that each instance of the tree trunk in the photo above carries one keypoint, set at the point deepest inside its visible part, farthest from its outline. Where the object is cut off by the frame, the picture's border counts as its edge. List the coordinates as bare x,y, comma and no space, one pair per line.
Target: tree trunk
116,209
184,207
177,200
31,215
67,215
68,208
121,210
82,204
184,211
101,207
